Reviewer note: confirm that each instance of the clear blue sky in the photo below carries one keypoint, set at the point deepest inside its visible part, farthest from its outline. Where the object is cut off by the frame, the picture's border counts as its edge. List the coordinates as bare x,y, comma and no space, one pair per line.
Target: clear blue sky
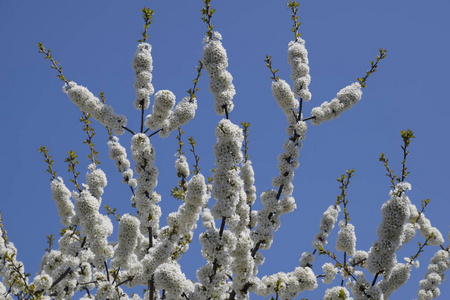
95,40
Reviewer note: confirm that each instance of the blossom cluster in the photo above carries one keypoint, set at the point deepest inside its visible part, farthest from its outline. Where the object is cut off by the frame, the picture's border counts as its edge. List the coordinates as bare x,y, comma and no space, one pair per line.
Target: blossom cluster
11,270
327,223
96,181
169,277
215,61
346,239
162,106
399,275
284,96
119,154
143,65
337,293
95,226
127,241
287,285
227,183
420,221
345,99
183,112
182,166
429,286
145,198
298,59
90,104
61,195
395,213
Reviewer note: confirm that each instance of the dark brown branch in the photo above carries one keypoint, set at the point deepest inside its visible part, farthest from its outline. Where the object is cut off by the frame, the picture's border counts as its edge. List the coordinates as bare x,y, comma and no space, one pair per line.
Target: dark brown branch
129,130
152,134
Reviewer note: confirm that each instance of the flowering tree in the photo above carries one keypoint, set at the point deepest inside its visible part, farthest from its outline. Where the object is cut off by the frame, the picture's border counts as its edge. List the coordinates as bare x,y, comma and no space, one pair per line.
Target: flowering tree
88,264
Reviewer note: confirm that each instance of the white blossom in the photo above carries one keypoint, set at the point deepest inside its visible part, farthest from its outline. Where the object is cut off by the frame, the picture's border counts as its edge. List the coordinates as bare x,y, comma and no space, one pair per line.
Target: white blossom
327,223
337,293
399,275
429,286
395,212
285,97
61,195
162,106
298,59
215,61
346,239
345,99
330,272
90,104
143,65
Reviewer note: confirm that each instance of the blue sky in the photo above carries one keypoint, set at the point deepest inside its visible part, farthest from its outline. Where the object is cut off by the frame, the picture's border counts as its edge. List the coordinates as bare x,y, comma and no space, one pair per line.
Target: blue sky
95,40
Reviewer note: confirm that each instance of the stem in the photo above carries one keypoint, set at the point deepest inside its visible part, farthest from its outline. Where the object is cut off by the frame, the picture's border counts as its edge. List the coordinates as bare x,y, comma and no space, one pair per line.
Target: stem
142,116
61,277
310,118
107,271
125,281
150,237
222,226
152,134
215,263
151,284
226,111
129,130
375,278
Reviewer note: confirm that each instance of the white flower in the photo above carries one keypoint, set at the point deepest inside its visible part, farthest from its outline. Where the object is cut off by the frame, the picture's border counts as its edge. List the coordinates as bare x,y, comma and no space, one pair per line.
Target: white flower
127,240
337,293
90,104
345,99
96,180
399,275
215,61
330,272
284,96
61,195
184,112
346,239
298,59
327,223
182,167
164,102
